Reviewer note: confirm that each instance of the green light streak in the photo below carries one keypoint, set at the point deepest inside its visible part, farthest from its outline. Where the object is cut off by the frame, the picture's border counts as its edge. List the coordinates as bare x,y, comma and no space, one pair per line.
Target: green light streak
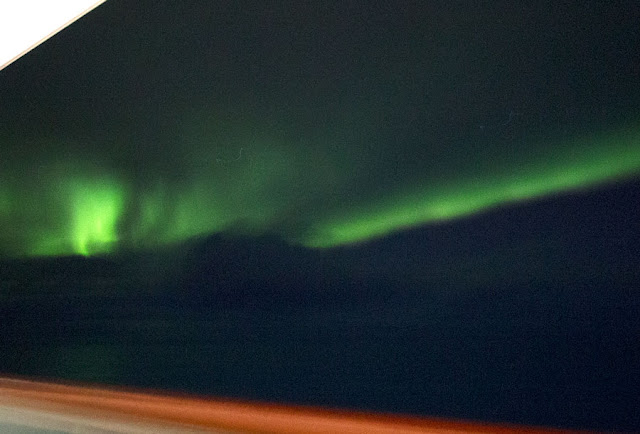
96,208
78,208
583,163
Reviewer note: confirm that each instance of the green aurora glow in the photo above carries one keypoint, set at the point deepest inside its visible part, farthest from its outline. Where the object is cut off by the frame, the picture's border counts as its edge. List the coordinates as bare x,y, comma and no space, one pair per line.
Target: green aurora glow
121,135
94,208
584,163
86,212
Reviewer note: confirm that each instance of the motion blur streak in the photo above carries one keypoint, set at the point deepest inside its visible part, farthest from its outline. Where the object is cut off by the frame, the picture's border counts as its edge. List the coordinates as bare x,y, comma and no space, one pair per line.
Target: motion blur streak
129,411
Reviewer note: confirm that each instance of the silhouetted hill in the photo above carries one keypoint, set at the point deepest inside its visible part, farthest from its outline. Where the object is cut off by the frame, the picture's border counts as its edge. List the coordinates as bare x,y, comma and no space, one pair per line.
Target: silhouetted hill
580,237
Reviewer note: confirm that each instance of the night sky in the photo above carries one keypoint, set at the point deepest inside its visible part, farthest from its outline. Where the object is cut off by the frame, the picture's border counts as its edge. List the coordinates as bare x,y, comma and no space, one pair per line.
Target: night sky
418,207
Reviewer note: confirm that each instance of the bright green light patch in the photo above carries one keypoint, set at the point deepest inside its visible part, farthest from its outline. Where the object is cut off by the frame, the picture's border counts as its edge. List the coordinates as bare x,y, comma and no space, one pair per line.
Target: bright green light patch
96,208
580,164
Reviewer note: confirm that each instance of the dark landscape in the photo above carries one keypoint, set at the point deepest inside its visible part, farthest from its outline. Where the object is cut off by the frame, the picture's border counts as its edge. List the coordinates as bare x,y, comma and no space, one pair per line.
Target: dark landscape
526,314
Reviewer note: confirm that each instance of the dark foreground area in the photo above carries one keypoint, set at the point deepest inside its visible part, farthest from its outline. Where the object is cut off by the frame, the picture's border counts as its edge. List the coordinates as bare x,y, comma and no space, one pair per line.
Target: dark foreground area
528,314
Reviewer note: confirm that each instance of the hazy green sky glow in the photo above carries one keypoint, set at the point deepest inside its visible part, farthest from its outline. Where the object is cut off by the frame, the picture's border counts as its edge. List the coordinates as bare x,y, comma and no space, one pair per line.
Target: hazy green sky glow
381,119
585,163
87,212
5,202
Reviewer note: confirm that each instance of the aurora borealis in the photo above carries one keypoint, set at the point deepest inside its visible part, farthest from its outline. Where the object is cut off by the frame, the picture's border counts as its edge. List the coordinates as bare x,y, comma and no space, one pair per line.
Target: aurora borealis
148,144
420,207
559,174
101,213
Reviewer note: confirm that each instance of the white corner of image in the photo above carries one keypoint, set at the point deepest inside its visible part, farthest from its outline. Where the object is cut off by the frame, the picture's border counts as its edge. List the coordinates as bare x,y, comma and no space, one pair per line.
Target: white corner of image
25,24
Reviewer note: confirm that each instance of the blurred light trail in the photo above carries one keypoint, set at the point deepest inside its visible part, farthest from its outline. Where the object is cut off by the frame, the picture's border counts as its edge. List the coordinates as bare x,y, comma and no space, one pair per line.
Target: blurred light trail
50,406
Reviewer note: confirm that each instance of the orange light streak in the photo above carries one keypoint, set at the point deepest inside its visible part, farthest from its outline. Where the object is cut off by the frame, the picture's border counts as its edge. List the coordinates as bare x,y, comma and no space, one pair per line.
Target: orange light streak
197,413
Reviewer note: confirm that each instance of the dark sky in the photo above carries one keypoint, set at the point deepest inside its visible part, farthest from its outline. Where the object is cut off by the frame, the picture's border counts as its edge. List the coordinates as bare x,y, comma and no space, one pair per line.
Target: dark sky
323,122
416,207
